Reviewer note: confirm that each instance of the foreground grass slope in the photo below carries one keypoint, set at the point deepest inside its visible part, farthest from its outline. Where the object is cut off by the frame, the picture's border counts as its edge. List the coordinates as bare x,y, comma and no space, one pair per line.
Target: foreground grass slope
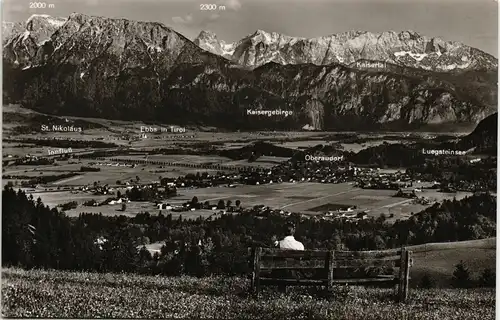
61,294
438,260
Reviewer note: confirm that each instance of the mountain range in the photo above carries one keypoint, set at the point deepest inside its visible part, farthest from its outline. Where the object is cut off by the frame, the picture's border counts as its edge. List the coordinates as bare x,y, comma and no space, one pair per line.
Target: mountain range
406,48
123,69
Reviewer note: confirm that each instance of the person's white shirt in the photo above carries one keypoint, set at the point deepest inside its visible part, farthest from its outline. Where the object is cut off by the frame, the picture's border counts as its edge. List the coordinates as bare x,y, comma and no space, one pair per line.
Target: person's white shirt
289,243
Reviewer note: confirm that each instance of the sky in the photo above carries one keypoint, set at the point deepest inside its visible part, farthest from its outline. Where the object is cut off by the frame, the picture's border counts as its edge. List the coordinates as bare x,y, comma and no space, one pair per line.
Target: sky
472,22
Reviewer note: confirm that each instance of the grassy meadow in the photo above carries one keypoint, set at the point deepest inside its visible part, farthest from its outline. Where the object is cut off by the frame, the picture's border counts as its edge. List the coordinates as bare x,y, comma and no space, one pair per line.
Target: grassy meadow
48,294
438,260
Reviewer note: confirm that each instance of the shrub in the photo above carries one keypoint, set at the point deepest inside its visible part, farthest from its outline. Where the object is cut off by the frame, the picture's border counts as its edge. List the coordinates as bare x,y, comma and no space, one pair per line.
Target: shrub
461,276
427,282
89,169
89,203
221,204
69,205
488,278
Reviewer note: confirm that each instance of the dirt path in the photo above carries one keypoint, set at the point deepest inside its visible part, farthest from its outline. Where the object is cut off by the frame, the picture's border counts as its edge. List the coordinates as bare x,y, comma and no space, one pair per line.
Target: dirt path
330,195
68,179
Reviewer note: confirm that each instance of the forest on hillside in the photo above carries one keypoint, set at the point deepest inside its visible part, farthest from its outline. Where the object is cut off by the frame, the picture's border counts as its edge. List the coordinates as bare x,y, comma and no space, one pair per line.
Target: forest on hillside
36,236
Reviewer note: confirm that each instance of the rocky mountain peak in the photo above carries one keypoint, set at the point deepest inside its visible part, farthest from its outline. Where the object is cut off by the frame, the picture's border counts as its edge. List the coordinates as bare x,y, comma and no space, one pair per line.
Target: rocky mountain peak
260,32
269,38
38,27
79,17
42,26
81,38
22,40
207,40
43,20
207,34
410,35
351,34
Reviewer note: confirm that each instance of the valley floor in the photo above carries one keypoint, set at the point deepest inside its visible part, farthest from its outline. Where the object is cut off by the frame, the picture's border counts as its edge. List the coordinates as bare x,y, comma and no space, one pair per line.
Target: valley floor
48,294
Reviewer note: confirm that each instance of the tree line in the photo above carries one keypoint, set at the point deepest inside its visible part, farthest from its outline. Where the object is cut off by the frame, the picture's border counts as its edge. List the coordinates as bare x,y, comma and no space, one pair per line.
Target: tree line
36,236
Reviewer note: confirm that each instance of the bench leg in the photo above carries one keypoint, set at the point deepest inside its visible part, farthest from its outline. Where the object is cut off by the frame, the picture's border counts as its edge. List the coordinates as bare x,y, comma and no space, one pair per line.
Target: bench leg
282,288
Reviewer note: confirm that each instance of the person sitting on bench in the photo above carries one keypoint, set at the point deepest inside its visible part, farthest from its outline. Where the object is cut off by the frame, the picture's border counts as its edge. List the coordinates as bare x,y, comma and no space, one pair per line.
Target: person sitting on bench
289,242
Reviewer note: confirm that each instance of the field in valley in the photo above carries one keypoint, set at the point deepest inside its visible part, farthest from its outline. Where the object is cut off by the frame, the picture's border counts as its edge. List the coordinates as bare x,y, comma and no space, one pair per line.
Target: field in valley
305,196
301,197
113,131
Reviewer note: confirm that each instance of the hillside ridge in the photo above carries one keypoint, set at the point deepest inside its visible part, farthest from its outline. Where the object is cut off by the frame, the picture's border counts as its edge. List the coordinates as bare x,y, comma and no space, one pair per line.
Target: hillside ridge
124,69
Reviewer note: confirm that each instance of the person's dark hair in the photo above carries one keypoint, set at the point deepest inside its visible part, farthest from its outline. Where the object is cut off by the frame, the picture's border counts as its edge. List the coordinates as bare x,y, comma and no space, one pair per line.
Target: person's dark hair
289,229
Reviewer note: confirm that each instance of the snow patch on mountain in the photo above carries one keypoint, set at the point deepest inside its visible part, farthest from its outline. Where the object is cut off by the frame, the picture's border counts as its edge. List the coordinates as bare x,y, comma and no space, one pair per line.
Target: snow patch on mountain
56,22
228,48
26,34
417,56
454,66
155,48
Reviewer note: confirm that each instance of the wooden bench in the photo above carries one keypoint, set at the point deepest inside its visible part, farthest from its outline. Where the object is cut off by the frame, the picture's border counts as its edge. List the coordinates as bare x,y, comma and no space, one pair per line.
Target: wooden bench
329,267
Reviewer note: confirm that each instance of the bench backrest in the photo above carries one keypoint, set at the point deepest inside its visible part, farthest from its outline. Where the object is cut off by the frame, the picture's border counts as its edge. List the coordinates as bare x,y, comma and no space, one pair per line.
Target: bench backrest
272,259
